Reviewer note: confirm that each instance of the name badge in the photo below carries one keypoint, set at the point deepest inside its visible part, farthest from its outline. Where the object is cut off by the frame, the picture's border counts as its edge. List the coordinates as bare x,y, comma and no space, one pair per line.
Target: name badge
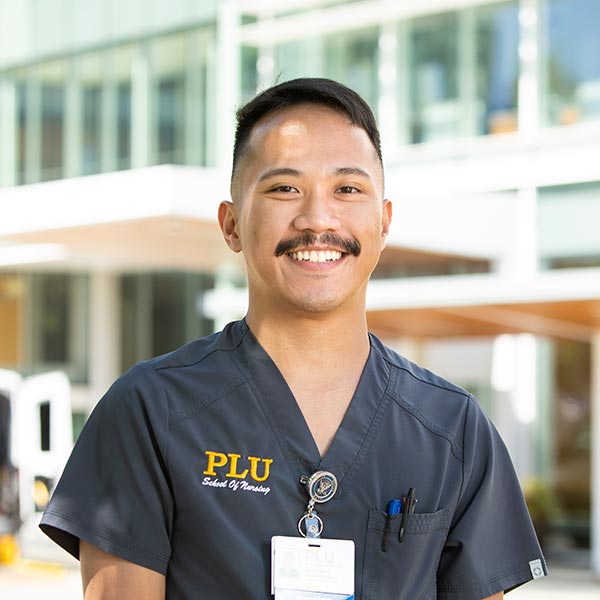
312,568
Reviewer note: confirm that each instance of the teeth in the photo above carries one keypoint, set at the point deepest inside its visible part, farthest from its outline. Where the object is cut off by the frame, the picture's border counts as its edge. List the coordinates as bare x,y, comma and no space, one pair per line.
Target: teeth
317,256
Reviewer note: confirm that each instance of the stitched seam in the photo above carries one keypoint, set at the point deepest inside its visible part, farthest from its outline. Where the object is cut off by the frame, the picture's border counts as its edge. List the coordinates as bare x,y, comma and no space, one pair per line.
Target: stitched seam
370,436
199,360
456,451
438,554
99,533
199,406
476,585
279,436
437,385
168,429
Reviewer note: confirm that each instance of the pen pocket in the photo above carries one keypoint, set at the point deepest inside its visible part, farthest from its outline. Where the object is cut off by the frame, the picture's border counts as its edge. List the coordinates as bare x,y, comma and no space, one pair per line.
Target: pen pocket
407,570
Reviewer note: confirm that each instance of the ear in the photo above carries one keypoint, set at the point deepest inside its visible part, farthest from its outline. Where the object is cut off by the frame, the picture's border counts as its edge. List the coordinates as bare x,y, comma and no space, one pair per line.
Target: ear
386,219
228,223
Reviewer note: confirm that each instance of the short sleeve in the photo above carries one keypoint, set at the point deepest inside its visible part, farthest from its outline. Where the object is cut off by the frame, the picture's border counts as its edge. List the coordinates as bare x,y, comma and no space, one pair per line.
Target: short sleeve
491,545
115,492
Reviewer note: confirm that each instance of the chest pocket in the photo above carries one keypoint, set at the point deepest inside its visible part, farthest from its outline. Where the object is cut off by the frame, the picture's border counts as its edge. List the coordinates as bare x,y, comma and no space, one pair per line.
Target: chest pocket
407,571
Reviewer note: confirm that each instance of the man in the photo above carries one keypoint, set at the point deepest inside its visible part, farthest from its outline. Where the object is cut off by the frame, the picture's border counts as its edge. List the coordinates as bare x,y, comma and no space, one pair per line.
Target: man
295,421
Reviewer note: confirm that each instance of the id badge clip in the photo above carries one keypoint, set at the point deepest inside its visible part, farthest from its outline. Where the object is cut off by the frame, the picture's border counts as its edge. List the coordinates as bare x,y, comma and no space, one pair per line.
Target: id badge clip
311,568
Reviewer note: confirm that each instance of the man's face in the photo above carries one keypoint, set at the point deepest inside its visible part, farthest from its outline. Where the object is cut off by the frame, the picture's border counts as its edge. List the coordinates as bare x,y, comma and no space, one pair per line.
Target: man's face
308,211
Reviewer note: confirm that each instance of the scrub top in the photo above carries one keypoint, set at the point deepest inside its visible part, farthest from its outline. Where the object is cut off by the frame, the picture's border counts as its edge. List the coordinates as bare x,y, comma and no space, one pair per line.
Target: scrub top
192,461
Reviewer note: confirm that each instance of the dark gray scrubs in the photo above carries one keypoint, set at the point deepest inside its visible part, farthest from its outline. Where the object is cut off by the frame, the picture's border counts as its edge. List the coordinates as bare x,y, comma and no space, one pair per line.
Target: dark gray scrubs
192,461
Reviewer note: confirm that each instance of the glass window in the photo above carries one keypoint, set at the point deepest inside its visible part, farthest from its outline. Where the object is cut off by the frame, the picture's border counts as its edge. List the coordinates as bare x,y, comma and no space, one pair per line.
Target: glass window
169,66
567,226
52,130
21,131
52,99
53,297
572,66
298,58
352,58
59,337
91,133
121,60
168,316
435,105
91,74
11,310
160,312
124,124
249,73
497,40
572,438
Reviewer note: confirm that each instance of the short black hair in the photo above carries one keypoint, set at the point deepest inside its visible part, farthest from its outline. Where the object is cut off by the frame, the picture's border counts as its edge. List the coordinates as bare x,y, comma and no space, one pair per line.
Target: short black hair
305,90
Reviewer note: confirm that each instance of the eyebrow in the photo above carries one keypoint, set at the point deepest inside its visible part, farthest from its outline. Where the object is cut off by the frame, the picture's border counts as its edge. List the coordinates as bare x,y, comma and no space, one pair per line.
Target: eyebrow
295,173
278,172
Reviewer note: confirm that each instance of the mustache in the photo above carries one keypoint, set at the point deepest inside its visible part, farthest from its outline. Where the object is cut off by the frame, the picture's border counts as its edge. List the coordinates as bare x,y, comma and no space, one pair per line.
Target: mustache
348,246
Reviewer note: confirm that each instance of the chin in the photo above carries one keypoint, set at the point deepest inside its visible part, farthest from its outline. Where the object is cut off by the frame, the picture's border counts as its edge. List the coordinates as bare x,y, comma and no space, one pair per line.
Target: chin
317,305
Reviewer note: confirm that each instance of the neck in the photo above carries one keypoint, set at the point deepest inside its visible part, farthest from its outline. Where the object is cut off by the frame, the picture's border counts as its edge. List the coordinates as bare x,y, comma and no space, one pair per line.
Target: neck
321,357
315,342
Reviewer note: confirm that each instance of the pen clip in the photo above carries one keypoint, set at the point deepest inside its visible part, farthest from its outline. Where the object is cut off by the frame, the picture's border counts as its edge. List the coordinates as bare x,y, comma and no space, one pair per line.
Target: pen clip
408,509
394,507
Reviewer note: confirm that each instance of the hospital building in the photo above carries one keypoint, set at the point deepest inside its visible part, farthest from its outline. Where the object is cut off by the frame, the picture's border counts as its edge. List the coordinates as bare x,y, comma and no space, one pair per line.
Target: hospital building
116,132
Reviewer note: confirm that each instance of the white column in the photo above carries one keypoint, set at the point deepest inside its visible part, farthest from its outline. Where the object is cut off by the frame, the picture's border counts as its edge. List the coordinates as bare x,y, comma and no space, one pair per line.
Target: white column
140,109
388,76
529,61
514,380
403,86
595,437
467,74
228,80
104,323
225,290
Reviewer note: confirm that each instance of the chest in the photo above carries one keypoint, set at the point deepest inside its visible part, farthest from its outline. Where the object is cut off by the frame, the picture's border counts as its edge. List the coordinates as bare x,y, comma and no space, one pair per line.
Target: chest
236,479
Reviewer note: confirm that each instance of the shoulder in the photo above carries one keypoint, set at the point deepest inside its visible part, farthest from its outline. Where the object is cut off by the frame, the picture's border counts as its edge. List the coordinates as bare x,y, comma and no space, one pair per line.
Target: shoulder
212,347
436,403
191,376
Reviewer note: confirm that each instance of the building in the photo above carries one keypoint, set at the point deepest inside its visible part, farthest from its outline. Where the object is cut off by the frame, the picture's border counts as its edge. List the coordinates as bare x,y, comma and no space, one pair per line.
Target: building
115,137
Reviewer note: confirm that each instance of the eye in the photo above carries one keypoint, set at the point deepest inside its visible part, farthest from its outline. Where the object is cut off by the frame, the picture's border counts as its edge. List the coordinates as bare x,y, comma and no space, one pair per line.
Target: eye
284,189
348,189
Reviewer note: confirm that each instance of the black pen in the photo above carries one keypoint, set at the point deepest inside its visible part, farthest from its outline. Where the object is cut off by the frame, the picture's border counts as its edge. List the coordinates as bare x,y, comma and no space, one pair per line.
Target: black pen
393,508
408,508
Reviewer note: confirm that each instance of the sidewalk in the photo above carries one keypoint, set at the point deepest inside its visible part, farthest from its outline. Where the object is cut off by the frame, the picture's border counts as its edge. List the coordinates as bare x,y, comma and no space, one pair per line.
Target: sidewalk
37,581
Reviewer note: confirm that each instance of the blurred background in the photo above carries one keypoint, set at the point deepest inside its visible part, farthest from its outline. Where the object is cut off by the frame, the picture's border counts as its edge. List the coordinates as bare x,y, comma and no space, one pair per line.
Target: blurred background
116,131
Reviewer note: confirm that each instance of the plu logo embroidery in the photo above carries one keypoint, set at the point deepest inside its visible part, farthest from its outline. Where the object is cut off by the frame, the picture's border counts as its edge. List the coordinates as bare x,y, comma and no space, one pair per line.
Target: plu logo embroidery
235,479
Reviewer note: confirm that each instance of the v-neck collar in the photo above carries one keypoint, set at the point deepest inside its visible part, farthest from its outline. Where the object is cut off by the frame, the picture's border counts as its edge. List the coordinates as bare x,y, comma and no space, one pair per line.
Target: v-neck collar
358,426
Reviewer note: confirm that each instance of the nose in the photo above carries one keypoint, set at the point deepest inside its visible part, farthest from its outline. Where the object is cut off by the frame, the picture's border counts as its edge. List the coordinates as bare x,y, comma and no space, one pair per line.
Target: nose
318,213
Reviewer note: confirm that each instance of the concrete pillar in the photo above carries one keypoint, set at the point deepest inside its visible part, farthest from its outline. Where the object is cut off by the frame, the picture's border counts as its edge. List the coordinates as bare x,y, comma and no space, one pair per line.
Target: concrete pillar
595,437
227,80
141,138
529,68
105,326
467,62
514,380
388,74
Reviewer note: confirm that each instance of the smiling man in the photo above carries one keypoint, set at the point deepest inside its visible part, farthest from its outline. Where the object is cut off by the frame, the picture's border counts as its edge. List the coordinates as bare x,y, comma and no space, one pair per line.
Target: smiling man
293,455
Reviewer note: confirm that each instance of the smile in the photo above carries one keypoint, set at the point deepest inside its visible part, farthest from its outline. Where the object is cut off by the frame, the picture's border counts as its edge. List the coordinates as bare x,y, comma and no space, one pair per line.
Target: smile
317,256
